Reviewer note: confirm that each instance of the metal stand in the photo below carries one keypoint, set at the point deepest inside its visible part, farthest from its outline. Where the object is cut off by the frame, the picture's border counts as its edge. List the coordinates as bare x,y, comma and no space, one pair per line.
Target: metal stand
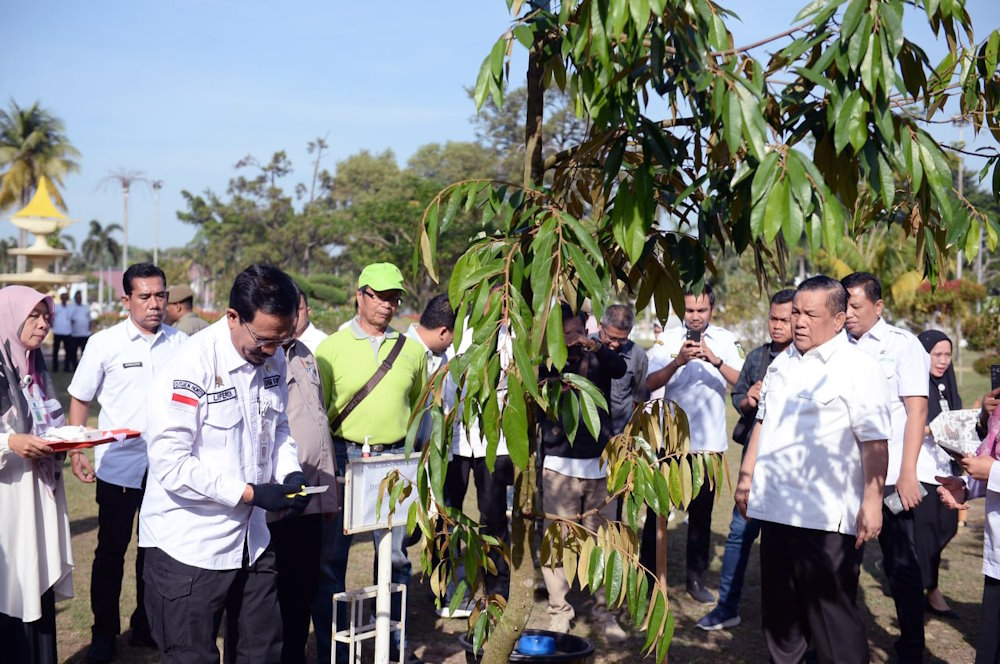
357,631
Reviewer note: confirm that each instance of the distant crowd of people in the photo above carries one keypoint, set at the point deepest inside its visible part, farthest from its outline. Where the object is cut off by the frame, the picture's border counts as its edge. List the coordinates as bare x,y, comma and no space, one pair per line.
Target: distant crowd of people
236,417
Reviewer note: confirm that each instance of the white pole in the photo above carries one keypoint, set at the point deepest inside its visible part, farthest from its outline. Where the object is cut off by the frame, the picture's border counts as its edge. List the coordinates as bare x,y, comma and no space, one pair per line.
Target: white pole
125,228
382,598
157,184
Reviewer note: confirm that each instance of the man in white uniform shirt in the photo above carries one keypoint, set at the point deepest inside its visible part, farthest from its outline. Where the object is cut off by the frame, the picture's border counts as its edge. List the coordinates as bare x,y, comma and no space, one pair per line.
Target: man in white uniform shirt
80,326
116,368
694,375
219,444
813,475
905,365
62,332
305,331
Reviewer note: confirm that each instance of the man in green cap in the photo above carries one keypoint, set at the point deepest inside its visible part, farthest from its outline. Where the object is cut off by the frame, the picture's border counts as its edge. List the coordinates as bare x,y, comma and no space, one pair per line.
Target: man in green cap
348,360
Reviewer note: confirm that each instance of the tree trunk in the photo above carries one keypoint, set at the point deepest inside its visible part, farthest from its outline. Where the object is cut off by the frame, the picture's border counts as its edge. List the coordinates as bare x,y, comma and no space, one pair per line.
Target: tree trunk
522,569
522,529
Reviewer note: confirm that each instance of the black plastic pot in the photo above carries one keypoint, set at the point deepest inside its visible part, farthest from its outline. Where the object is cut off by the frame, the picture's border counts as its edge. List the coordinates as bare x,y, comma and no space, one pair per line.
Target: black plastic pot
569,650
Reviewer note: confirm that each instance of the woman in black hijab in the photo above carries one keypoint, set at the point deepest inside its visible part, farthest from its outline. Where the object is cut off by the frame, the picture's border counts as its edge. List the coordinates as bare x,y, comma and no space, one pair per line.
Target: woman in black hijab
933,524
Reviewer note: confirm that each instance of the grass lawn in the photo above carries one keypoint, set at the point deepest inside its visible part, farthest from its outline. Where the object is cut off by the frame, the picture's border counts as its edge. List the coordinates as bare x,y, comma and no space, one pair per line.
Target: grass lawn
434,639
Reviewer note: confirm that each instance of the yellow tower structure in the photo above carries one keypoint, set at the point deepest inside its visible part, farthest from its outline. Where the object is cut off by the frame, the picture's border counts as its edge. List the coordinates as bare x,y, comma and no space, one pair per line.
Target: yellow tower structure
41,218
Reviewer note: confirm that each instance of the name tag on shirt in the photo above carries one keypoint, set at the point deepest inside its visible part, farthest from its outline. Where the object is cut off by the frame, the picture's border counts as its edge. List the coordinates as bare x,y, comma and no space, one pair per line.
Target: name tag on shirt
224,395
190,387
271,381
131,365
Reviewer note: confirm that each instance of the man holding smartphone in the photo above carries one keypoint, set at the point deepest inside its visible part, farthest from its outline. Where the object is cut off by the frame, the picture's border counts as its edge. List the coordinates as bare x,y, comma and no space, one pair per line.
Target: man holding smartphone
905,365
694,363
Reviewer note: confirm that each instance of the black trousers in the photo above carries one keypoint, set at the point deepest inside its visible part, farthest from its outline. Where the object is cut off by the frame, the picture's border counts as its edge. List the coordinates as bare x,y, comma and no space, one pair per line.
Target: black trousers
809,589
185,606
698,536
988,643
491,494
30,642
117,508
63,340
79,343
902,568
933,527
296,543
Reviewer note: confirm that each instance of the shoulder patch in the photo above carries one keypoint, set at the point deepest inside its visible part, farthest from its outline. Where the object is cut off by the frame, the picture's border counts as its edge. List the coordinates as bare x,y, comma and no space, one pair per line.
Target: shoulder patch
271,381
739,349
190,387
224,395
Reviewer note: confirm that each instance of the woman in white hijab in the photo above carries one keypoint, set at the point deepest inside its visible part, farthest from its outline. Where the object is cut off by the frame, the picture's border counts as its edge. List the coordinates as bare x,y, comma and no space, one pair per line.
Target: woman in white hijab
36,561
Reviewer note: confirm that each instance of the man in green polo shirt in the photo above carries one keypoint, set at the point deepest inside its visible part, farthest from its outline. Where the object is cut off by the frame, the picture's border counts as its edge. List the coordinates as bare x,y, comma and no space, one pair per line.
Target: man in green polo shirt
347,360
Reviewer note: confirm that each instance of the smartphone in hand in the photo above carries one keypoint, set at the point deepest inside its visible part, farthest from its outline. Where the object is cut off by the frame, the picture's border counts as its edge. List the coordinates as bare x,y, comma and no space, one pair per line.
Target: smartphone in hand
694,335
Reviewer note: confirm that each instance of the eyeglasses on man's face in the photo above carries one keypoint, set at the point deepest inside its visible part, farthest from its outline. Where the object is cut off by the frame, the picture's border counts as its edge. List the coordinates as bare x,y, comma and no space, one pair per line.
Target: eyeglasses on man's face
264,343
391,298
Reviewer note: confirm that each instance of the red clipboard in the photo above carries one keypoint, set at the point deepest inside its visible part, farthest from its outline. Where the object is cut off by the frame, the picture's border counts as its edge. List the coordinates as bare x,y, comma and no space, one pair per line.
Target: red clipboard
63,445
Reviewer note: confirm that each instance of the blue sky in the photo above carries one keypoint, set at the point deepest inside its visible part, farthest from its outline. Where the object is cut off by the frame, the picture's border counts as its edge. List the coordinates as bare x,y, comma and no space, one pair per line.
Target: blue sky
182,90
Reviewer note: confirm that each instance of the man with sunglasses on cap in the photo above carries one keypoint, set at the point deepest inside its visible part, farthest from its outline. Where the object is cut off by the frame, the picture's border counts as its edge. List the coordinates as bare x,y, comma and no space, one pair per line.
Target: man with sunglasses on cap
348,362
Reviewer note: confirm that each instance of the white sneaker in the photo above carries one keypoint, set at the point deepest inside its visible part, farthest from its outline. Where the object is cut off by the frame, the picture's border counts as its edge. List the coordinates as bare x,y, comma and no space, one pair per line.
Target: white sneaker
608,622
463,610
560,622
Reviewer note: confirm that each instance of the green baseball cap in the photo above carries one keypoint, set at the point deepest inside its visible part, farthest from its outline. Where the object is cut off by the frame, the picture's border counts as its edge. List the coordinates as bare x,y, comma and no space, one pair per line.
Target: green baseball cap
381,277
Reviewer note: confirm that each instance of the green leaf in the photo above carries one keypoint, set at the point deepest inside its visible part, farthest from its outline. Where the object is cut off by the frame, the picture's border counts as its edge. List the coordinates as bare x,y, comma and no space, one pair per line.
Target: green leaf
613,578
591,418
834,216
554,338
588,276
674,480
754,127
515,423
668,634
888,184
849,113
479,634
733,125
640,13
763,178
642,595
569,414
777,210
798,182
524,35
794,224
852,18
596,567
654,623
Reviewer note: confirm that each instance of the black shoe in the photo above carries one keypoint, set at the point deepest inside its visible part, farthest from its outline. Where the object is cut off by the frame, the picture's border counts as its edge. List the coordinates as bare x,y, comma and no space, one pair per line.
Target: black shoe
101,650
699,593
948,613
139,639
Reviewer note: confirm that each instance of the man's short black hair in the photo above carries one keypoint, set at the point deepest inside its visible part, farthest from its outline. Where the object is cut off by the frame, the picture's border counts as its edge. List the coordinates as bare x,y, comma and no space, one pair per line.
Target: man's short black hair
438,313
141,271
302,294
868,281
567,313
706,290
263,288
783,296
836,296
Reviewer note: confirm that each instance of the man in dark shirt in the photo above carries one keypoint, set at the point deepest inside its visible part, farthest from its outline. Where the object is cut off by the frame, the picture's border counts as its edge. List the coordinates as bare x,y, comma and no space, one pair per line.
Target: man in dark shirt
742,532
629,390
573,481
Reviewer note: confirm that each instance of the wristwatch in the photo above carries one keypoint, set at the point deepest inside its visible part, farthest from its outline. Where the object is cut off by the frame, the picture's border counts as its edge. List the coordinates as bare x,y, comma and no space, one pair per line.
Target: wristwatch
719,365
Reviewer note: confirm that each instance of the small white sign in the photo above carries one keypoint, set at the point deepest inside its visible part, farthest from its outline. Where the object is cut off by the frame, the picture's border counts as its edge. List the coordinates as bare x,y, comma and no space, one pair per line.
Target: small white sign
362,480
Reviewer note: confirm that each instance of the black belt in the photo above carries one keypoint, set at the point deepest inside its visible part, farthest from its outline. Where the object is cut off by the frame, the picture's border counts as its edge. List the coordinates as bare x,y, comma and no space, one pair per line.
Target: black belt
380,447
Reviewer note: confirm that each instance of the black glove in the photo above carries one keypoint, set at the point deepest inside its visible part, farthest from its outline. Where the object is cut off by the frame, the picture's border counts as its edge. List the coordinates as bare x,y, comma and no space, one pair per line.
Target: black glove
274,497
298,479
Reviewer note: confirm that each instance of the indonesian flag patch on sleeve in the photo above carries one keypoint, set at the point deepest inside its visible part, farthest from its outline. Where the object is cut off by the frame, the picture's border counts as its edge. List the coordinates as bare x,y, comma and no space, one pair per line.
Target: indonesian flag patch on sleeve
178,399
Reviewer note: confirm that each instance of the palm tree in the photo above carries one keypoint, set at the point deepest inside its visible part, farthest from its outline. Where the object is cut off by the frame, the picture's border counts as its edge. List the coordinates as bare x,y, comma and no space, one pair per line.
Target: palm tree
32,145
100,248
125,178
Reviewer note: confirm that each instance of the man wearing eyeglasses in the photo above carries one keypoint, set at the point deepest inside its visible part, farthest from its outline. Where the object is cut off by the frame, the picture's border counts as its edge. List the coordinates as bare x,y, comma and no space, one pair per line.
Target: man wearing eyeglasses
220,455
630,390
347,360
